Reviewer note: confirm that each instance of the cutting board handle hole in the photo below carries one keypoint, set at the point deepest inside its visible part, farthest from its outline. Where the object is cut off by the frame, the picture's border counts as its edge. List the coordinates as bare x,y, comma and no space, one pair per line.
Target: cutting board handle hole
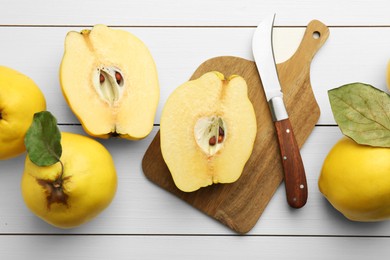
316,35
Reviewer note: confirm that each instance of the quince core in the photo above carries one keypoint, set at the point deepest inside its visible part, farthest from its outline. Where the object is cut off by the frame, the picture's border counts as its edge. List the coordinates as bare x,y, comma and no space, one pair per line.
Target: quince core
109,79
208,128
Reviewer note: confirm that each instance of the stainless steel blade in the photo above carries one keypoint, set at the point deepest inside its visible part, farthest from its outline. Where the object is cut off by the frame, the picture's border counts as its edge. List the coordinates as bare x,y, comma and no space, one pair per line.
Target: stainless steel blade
263,53
264,57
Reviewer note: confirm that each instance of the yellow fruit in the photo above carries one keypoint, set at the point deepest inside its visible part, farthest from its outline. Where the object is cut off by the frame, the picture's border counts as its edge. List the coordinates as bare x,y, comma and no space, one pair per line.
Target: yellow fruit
109,80
20,99
88,183
356,180
208,128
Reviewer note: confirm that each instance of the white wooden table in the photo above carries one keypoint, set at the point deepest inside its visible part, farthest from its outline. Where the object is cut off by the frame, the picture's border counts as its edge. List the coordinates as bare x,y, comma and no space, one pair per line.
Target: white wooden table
146,222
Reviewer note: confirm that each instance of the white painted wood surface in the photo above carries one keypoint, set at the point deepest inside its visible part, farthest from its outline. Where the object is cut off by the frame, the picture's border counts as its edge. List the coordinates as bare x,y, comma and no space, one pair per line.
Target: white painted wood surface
145,222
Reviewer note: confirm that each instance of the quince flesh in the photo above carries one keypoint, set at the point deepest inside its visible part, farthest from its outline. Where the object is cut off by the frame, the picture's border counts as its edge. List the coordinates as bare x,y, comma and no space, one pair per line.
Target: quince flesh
88,186
208,128
356,181
20,99
109,79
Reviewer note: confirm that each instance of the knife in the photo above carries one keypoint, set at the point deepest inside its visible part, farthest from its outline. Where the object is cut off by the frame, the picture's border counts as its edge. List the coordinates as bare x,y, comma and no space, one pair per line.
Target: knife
294,171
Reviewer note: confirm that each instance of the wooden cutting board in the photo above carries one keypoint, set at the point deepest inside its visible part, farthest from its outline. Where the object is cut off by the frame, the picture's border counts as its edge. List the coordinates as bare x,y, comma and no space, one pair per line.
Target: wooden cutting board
239,205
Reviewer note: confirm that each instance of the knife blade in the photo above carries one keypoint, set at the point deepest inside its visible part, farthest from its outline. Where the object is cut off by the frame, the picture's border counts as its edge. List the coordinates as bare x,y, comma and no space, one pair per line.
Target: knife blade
294,172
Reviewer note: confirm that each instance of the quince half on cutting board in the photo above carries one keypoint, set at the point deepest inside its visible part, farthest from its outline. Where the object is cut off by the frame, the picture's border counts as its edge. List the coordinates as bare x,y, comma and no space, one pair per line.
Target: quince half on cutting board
208,129
110,82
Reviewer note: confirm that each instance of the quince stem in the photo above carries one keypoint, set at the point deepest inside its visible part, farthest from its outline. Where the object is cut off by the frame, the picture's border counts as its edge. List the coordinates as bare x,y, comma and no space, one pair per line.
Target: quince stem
58,182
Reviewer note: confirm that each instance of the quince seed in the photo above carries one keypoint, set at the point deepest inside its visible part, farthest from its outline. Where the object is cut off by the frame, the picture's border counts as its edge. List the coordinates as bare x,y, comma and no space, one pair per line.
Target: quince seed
212,141
221,132
118,77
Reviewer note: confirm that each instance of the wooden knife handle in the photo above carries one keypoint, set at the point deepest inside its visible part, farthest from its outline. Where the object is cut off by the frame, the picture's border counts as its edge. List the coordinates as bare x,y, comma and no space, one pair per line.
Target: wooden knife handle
294,172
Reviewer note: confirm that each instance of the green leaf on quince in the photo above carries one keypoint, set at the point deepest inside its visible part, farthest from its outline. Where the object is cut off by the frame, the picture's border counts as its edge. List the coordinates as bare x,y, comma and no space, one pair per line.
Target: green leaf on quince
43,140
362,113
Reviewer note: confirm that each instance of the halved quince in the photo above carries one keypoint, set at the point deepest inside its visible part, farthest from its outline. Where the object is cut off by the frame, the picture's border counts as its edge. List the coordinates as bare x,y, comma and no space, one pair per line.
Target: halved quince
110,82
208,128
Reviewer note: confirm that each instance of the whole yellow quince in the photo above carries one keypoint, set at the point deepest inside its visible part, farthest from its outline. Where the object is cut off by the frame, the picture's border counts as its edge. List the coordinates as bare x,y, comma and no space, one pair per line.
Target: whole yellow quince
356,180
74,190
20,99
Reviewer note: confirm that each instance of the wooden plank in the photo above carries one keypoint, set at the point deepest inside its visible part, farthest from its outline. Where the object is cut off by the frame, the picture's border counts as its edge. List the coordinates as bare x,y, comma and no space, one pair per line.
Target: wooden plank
141,207
349,55
193,13
15,247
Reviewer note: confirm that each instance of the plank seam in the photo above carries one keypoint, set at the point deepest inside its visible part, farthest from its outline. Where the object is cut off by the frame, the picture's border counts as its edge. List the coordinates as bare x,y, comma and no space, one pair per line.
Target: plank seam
183,26
196,235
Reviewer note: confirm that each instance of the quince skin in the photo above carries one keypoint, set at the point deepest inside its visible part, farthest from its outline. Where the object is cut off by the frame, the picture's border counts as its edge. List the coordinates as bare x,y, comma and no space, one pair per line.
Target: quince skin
20,99
75,190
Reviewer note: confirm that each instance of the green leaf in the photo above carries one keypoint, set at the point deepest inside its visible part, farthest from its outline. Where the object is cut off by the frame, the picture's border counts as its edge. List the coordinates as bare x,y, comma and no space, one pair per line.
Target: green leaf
362,113
43,140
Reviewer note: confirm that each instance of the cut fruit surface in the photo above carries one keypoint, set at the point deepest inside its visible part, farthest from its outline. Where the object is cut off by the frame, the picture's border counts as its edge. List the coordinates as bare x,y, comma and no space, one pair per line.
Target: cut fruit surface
208,128
110,82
